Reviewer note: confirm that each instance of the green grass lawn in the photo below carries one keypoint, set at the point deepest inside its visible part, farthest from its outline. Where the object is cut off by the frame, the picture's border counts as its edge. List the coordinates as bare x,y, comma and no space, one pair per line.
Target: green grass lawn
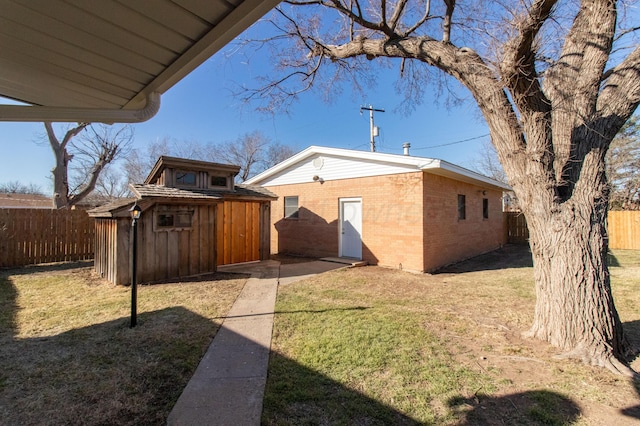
374,346
69,357
363,346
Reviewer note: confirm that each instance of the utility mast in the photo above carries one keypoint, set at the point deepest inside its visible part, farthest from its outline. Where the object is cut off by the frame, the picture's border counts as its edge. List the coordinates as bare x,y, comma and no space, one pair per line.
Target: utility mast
373,130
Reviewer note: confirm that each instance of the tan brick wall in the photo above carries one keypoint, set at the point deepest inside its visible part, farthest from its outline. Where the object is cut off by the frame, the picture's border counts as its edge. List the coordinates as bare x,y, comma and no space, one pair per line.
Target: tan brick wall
395,232
391,219
448,239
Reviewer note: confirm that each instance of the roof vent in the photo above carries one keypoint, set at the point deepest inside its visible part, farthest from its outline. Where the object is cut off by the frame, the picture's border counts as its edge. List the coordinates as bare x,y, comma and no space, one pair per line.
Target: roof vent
406,147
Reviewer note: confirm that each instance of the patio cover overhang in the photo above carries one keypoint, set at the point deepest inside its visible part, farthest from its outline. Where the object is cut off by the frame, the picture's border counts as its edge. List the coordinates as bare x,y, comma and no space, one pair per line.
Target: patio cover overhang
108,61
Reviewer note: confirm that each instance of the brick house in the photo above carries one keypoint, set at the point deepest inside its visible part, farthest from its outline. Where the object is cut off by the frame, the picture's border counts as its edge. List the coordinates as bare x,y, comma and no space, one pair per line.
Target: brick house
400,211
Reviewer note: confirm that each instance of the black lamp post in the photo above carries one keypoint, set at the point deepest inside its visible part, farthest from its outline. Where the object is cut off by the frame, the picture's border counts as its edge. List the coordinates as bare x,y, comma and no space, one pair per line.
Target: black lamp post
135,211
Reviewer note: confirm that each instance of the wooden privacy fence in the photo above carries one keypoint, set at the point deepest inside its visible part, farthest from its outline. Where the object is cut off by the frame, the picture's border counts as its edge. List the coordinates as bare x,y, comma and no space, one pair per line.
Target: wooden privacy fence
31,236
624,230
623,227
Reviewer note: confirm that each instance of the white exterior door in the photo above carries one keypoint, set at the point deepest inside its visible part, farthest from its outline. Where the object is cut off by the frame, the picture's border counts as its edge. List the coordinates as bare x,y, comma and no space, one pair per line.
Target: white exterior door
351,228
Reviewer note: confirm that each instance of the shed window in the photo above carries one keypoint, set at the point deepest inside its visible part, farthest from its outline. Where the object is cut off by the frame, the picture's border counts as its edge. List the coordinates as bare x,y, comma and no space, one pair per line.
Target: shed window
220,181
291,207
165,220
186,178
485,208
462,207
176,220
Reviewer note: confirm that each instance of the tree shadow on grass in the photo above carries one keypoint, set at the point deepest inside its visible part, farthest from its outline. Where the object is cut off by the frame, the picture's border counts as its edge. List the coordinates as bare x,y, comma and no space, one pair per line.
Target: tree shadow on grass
509,256
632,332
297,395
538,407
46,267
612,260
103,374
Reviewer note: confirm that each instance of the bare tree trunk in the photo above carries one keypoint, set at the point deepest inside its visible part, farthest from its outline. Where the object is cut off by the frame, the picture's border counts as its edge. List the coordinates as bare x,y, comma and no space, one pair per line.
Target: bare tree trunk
60,171
574,305
60,182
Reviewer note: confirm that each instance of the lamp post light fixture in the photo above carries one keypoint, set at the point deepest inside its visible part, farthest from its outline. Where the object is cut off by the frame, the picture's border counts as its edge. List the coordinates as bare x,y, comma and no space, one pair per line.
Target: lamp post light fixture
135,212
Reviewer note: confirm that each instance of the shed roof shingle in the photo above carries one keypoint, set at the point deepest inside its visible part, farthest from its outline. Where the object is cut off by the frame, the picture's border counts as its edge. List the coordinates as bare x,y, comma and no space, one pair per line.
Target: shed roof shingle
155,193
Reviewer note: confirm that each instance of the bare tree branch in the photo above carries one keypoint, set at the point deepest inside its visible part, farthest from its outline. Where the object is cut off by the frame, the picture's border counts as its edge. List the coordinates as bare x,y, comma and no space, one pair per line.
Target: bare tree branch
446,23
518,64
421,21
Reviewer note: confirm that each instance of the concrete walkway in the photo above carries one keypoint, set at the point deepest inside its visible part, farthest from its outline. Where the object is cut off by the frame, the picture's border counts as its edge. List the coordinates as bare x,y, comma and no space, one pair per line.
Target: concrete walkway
228,386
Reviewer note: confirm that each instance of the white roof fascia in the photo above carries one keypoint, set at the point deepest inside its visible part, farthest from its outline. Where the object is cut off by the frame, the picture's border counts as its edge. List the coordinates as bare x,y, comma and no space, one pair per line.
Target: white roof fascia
444,168
337,152
429,165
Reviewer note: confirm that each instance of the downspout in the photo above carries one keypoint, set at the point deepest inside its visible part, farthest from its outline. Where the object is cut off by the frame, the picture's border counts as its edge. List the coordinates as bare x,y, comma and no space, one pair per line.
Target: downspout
90,115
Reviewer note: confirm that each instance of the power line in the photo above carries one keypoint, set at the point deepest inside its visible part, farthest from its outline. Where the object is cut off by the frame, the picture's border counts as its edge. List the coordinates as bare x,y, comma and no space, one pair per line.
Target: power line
452,143
433,146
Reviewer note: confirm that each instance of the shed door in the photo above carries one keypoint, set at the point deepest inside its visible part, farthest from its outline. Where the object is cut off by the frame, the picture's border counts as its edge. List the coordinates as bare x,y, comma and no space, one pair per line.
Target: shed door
351,228
239,235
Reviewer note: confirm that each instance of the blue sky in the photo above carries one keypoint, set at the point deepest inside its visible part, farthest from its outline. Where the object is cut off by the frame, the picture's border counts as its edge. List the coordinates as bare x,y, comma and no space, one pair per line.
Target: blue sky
201,108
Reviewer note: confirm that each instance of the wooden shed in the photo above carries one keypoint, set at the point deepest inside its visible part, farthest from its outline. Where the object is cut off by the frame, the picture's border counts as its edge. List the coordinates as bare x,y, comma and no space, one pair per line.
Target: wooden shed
194,218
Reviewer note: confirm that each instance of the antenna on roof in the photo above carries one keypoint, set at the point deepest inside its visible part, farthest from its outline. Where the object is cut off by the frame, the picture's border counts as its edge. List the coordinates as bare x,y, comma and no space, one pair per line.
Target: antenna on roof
373,130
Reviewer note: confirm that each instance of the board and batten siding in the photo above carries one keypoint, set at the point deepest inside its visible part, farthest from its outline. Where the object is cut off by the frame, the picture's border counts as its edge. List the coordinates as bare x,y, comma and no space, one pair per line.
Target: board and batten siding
239,239
162,254
328,168
165,254
221,234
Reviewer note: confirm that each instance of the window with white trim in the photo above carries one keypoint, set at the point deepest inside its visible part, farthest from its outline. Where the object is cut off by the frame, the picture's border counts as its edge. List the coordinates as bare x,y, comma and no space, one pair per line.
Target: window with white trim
291,207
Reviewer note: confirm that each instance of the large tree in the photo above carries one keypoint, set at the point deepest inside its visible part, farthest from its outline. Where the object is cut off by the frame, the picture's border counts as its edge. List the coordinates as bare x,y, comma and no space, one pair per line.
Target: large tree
253,152
91,148
553,91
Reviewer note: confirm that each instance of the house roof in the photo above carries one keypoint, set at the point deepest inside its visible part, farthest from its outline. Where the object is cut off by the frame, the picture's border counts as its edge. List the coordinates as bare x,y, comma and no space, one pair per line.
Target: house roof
186,164
25,201
108,60
373,164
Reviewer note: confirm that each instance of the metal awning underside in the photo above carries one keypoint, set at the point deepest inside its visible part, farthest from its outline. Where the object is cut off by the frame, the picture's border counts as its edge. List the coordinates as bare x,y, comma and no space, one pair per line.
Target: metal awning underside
108,60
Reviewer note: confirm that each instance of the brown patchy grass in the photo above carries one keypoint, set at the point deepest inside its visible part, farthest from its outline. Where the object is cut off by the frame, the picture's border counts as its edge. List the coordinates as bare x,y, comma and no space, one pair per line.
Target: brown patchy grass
68,355
469,318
